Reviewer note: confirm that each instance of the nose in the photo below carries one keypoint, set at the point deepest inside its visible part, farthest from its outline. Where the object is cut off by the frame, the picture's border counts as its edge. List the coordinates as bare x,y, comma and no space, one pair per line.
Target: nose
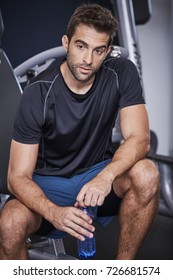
88,58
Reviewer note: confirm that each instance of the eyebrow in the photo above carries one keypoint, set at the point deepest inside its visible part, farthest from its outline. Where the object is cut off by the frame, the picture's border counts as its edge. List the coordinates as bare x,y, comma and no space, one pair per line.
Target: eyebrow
86,45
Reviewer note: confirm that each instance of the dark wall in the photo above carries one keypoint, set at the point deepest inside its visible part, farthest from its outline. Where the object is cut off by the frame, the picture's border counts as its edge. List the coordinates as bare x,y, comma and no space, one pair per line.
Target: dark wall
34,26
37,25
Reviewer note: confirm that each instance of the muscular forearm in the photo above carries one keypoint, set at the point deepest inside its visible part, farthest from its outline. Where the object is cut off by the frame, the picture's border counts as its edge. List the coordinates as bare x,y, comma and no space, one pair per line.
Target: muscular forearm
31,195
129,153
94,192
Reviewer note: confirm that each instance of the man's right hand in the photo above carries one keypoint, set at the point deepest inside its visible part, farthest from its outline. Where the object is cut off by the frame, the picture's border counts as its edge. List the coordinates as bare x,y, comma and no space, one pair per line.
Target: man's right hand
73,221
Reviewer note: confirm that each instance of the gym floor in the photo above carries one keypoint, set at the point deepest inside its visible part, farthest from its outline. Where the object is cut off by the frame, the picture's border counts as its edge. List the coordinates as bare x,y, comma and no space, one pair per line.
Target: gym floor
158,244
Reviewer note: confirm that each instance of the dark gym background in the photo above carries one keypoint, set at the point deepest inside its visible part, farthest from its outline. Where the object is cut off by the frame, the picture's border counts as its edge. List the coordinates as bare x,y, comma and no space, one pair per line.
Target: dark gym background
32,26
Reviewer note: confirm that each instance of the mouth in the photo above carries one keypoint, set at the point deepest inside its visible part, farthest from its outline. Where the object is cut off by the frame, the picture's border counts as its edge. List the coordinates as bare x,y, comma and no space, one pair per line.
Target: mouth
85,70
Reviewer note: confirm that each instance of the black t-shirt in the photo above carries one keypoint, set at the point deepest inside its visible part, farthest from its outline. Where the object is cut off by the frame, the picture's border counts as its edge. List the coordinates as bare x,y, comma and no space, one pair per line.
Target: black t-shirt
74,131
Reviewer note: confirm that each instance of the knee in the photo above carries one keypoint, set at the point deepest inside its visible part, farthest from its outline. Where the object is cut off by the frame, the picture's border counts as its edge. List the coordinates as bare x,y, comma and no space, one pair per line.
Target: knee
5,233
8,225
145,180
12,226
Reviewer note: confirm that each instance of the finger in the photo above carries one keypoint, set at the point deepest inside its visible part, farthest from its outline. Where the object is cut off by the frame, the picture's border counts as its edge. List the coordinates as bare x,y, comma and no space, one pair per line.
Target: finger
84,230
77,235
84,217
81,195
100,200
78,227
89,197
76,204
94,200
81,204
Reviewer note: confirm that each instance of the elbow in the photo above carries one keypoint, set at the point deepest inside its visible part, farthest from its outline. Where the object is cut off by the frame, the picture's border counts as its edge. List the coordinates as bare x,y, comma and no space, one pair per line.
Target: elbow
144,146
10,183
147,146
16,181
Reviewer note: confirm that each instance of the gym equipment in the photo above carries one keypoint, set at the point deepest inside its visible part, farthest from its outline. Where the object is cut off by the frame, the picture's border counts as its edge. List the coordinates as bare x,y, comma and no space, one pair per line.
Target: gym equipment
165,165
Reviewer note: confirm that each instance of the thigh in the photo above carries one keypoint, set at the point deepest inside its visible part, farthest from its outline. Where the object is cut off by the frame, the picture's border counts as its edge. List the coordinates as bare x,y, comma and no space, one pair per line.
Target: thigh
61,191
17,218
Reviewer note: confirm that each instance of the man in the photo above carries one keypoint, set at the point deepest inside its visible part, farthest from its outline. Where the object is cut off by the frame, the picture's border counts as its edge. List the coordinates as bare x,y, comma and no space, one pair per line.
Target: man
61,155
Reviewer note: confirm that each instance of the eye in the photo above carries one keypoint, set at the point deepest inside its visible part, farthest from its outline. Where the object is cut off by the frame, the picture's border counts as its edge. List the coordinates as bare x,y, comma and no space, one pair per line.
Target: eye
99,51
80,46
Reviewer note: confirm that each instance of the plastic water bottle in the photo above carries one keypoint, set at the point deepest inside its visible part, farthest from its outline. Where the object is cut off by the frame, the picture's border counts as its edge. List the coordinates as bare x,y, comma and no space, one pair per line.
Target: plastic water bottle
87,248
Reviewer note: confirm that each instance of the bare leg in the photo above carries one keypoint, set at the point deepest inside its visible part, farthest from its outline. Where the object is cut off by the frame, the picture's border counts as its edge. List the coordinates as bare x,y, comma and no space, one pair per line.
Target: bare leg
139,189
17,222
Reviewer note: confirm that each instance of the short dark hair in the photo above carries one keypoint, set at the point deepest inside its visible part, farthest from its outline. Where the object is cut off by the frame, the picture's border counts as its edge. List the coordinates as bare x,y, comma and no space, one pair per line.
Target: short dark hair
93,15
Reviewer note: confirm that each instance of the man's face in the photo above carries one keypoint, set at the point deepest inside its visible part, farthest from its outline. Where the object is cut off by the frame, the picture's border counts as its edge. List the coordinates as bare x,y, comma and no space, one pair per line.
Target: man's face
86,52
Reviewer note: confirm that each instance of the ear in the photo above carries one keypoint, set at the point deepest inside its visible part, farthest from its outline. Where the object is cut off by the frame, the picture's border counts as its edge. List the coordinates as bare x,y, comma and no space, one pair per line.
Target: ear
65,42
109,50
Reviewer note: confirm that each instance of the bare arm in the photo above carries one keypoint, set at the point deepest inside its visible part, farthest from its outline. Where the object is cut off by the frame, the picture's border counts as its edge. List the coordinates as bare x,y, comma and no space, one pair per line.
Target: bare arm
21,166
135,130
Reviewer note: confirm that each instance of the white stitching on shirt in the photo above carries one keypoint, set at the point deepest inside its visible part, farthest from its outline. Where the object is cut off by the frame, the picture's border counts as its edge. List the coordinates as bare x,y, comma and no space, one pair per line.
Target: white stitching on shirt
44,113
112,70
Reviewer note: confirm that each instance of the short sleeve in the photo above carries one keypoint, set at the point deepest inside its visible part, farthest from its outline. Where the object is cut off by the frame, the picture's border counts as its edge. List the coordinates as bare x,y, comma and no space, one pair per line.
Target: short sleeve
30,116
131,91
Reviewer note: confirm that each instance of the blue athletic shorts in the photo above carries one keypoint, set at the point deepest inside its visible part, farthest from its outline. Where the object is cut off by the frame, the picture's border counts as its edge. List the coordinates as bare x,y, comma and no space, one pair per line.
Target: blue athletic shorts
63,192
